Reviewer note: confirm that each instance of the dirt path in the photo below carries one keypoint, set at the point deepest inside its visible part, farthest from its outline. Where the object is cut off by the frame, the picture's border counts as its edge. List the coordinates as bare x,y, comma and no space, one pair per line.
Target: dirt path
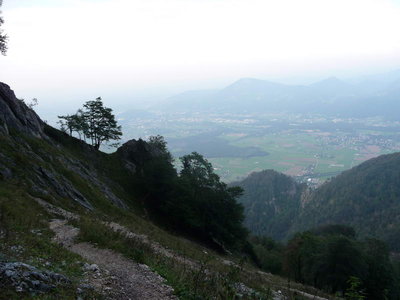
144,239
121,278
156,247
117,277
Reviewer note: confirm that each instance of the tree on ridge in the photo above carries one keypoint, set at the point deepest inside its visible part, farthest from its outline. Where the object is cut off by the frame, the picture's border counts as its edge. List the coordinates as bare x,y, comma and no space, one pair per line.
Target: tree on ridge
94,122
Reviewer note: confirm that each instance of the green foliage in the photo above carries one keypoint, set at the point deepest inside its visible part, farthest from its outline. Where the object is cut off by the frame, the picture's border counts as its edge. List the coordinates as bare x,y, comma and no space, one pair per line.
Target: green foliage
341,259
74,123
158,142
101,123
215,213
94,122
268,253
3,37
329,258
380,270
353,292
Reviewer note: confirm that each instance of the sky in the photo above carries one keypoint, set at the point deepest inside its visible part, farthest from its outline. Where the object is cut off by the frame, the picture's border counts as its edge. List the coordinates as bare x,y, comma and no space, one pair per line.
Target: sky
68,51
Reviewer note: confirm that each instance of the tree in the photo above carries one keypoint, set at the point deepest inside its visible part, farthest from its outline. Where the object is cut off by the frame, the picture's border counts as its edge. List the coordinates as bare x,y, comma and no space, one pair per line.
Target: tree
268,252
354,291
156,176
101,123
74,123
380,271
332,259
159,144
343,258
94,122
3,37
216,215
199,171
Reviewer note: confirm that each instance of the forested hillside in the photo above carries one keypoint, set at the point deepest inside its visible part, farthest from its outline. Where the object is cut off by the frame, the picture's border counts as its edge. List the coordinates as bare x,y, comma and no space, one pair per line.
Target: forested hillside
366,197
271,200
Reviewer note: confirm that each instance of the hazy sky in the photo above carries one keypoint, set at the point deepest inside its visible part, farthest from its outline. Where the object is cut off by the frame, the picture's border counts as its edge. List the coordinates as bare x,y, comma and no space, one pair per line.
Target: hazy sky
75,49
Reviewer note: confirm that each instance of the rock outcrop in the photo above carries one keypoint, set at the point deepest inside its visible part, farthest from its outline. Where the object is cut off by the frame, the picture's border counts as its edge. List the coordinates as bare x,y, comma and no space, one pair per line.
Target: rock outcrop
134,154
24,278
16,114
61,185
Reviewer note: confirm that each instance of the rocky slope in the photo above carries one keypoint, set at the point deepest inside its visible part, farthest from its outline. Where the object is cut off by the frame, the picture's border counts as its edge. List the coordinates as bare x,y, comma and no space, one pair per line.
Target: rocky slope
15,114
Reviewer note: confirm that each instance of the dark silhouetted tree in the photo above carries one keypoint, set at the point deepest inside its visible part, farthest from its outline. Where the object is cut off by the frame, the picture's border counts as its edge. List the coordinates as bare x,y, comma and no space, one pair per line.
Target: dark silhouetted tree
101,124
94,122
74,123
218,216
380,271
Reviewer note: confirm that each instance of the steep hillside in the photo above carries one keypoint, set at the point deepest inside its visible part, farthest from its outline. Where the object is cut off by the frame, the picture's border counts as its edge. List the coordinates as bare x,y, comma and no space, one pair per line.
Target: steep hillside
272,201
366,197
76,223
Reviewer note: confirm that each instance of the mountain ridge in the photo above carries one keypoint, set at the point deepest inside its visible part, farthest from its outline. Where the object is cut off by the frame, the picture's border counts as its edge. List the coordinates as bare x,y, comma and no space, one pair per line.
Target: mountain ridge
330,96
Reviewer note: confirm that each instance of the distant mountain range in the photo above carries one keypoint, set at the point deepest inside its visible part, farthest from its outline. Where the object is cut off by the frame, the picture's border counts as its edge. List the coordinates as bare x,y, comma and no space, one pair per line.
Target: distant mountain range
366,197
376,95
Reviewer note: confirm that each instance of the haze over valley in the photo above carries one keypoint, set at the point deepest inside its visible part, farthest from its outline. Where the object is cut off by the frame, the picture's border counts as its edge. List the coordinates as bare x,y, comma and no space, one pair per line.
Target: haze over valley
311,132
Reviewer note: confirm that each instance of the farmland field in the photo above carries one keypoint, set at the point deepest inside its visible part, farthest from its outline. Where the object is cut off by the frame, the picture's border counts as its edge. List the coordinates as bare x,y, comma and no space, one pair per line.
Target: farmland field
311,149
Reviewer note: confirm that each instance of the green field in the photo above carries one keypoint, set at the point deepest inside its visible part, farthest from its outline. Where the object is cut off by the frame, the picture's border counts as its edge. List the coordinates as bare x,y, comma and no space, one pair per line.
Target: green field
293,154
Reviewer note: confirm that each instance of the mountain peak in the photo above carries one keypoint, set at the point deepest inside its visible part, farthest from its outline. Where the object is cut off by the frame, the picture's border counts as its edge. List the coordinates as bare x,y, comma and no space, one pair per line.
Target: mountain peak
247,84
